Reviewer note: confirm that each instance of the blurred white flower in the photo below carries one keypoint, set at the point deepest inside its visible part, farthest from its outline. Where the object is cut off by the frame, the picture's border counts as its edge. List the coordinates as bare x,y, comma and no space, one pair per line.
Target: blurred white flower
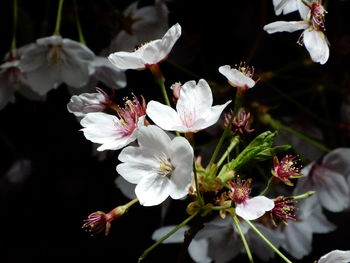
194,110
148,54
286,6
54,60
140,25
159,166
328,179
313,36
298,234
336,256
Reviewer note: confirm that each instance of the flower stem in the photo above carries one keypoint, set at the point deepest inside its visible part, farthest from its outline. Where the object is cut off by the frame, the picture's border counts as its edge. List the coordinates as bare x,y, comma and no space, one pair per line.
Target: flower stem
148,250
305,195
131,203
58,18
199,197
15,16
268,242
77,20
234,142
268,186
245,243
159,78
223,207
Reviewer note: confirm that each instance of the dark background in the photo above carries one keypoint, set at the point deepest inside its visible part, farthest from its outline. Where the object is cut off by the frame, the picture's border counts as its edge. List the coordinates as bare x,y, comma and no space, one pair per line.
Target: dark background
41,218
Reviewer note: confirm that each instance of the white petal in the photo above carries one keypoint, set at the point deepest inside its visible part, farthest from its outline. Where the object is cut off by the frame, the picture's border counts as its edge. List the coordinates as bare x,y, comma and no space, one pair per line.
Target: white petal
43,79
317,45
181,157
236,77
152,190
303,9
127,60
85,103
338,161
163,115
332,190
137,163
283,26
254,208
336,256
177,237
154,139
198,250
159,50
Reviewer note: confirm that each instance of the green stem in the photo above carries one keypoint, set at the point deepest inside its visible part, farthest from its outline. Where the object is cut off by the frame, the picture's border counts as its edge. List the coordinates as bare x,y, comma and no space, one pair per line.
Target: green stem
268,187
234,142
279,125
58,18
77,20
305,195
199,197
268,242
15,17
131,203
245,243
223,207
148,250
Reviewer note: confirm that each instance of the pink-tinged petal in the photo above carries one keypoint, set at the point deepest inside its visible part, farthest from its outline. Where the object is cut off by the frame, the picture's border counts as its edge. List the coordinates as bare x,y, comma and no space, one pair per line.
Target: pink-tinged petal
128,189
152,189
181,156
158,50
254,208
127,60
164,116
332,189
338,161
85,103
177,237
211,118
236,77
336,256
154,139
317,44
283,26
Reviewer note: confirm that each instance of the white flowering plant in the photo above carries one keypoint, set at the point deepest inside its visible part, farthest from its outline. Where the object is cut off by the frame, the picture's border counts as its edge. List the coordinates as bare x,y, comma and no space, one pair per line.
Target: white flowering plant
249,182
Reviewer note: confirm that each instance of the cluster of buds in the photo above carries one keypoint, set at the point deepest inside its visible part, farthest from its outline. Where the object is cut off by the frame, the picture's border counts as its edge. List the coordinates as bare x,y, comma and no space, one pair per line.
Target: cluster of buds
240,123
288,168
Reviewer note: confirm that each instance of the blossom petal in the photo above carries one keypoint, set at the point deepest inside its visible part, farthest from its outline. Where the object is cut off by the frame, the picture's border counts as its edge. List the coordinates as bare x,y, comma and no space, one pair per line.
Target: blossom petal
254,208
283,26
317,44
236,77
336,256
338,161
127,60
154,139
177,237
128,189
198,249
164,116
181,157
152,189
136,163
85,103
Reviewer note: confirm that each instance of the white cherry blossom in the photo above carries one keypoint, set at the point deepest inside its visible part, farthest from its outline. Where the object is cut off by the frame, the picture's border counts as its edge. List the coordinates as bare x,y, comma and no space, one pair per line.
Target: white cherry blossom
194,110
240,77
148,54
336,256
313,36
160,167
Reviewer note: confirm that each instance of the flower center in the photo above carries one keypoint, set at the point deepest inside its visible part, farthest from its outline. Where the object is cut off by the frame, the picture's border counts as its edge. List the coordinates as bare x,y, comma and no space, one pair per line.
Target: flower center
56,54
165,168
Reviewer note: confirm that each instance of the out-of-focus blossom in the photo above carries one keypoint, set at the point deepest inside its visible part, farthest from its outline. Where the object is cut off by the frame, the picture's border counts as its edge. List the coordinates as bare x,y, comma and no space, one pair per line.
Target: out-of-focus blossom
286,169
84,103
149,53
313,36
101,69
54,60
328,179
336,256
194,110
112,132
240,123
160,167
139,25
298,234
241,76
128,189
286,6
246,207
